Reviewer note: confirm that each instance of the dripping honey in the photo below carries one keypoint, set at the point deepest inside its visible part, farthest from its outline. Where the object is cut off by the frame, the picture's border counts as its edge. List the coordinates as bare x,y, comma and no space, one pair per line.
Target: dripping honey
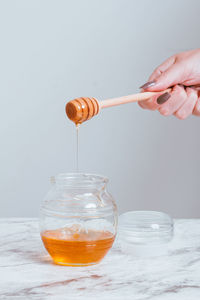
72,248
77,147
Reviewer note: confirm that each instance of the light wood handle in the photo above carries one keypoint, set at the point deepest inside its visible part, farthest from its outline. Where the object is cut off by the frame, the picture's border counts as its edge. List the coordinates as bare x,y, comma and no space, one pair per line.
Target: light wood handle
130,98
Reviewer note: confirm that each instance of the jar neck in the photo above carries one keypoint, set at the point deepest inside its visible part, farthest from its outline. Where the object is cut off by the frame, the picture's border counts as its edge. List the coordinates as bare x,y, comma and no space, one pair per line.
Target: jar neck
80,181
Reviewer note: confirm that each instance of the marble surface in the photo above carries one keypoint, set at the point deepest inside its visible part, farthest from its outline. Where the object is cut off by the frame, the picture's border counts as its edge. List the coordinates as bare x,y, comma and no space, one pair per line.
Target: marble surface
26,270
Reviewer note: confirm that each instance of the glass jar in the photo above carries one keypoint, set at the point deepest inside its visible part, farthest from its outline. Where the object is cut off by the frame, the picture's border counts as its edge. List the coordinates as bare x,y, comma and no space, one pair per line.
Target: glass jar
78,219
145,233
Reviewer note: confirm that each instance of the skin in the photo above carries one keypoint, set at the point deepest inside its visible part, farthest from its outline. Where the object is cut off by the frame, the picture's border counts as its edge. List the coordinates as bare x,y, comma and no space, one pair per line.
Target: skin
181,71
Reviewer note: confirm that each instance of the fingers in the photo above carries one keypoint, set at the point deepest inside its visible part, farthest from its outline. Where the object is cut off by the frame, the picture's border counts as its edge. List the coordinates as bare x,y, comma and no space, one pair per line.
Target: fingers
168,74
149,104
178,97
182,103
196,111
189,105
162,68
154,102
172,76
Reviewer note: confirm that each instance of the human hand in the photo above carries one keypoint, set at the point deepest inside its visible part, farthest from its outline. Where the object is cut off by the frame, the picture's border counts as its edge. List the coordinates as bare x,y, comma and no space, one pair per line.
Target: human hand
182,71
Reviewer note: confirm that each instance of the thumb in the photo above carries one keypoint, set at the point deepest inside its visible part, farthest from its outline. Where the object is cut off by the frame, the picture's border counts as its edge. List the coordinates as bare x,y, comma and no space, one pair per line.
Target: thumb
172,76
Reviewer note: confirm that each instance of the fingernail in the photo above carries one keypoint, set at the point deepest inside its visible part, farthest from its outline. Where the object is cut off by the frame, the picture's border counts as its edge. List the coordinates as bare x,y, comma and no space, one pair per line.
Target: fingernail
147,85
164,112
163,98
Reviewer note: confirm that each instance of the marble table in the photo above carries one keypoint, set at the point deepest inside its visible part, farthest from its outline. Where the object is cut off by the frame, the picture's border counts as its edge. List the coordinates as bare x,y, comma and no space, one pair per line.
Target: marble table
26,270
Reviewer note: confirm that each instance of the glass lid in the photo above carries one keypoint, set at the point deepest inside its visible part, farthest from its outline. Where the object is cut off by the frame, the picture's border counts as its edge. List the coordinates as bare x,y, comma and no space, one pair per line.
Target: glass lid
146,225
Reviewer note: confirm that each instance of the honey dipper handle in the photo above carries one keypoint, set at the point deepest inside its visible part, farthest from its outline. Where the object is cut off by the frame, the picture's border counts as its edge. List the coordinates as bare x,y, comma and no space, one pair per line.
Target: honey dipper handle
130,98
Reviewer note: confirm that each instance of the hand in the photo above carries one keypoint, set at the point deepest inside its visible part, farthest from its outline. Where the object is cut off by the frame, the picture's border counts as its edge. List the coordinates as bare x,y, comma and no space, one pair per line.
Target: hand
182,71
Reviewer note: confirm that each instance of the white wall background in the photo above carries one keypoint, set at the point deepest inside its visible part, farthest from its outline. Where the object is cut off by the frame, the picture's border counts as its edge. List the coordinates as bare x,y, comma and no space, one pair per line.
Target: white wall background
54,51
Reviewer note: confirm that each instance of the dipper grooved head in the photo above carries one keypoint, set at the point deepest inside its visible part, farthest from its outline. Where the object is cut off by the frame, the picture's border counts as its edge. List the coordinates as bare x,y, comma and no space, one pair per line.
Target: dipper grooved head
82,109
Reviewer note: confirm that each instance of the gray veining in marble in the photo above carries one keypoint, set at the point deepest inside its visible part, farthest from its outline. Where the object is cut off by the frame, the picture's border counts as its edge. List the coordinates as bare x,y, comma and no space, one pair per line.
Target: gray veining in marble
26,270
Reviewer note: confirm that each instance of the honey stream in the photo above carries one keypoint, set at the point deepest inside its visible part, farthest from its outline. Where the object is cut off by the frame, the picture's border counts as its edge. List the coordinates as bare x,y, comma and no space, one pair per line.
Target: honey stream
77,147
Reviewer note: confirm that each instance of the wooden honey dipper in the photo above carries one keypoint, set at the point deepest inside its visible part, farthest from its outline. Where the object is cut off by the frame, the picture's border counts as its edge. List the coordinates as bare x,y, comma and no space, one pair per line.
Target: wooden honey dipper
82,109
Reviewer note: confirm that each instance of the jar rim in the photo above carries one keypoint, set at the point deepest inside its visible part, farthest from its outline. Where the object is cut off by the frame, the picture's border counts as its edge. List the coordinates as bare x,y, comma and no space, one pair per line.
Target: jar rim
80,180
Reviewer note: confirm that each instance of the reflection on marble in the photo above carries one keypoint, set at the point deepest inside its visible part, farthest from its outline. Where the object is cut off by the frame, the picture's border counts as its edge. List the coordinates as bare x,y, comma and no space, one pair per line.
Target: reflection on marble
26,270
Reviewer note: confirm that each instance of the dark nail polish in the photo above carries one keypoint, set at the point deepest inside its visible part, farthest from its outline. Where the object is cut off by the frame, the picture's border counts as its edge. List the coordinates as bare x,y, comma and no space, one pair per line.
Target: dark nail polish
163,98
148,85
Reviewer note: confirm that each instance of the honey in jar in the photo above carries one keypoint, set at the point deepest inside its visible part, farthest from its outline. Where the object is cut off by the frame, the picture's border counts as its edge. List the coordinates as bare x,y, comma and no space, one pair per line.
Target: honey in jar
78,219
75,247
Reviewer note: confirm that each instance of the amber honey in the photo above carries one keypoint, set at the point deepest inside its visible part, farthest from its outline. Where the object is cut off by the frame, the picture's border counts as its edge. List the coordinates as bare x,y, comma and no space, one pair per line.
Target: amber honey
77,248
